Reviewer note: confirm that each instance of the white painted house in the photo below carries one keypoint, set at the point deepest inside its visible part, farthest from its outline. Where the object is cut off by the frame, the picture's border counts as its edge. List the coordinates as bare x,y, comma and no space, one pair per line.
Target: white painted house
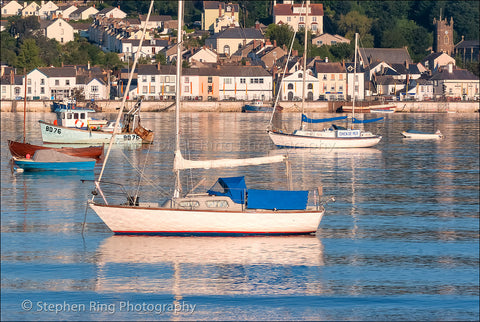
95,89
51,82
112,12
292,86
64,11
47,10
60,30
11,8
31,10
204,55
83,13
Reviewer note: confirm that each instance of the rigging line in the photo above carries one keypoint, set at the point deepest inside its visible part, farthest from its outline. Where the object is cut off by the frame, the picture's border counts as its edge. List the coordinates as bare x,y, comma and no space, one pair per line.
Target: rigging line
163,191
284,71
143,170
122,106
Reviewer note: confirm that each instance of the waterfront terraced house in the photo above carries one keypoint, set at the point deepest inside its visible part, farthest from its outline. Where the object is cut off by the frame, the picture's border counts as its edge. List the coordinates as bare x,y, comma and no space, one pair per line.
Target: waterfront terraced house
60,30
51,83
455,84
294,14
11,8
332,81
11,85
93,88
244,83
291,88
355,82
155,82
217,9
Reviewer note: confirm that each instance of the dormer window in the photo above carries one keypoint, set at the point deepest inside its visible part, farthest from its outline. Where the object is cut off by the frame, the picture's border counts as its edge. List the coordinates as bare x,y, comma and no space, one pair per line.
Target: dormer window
300,75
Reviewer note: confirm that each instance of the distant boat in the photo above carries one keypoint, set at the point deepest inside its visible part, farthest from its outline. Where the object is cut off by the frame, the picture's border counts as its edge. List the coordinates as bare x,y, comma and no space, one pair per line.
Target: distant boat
20,150
51,160
76,126
413,134
257,106
330,137
384,108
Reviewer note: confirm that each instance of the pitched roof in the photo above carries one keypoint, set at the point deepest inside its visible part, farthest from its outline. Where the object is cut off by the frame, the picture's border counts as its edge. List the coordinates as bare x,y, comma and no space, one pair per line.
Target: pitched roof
329,67
58,71
388,55
316,9
212,5
241,33
155,18
456,74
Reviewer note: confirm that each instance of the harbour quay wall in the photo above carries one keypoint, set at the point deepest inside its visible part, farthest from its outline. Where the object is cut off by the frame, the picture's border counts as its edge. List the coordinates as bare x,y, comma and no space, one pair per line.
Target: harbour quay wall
110,106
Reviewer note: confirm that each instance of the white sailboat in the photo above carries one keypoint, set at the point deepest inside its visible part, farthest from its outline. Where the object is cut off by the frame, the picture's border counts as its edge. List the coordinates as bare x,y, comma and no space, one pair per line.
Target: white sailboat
331,137
228,208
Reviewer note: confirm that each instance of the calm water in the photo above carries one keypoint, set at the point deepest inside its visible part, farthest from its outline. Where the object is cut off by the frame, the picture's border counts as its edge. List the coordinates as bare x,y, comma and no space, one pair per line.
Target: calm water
400,243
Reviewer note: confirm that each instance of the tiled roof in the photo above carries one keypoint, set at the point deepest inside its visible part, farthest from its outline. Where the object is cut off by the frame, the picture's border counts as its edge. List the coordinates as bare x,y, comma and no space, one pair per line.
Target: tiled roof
58,71
329,68
456,74
241,33
156,18
388,55
316,9
468,44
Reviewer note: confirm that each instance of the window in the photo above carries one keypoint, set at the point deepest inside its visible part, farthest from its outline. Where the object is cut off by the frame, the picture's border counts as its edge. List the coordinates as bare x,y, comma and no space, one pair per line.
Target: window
29,90
290,86
340,77
314,19
189,204
69,116
210,79
42,81
42,90
152,78
82,116
289,19
217,204
167,79
340,88
227,81
324,76
57,82
144,78
260,80
75,116
332,77
29,81
67,82
300,75
145,89
187,80
152,90
210,88
314,27
17,91
242,80
310,86
4,89
302,19
186,89
94,88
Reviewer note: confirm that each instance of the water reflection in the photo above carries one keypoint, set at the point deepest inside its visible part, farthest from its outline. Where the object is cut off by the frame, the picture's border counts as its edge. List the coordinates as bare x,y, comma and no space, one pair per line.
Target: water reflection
214,266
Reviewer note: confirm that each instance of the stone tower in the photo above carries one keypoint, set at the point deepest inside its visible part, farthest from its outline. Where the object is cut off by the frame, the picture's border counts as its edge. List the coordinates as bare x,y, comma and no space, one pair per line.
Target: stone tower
443,36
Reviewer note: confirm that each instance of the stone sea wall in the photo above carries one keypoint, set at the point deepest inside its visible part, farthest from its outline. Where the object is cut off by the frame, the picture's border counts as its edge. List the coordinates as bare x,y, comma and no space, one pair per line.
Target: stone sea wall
227,106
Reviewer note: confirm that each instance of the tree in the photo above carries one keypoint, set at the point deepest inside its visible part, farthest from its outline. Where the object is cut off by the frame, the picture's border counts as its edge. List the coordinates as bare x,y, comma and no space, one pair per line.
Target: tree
111,61
282,34
49,50
354,22
28,57
8,46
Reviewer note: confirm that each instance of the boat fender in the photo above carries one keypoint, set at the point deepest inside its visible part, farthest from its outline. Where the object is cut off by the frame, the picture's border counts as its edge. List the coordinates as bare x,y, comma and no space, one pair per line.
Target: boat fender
55,122
78,122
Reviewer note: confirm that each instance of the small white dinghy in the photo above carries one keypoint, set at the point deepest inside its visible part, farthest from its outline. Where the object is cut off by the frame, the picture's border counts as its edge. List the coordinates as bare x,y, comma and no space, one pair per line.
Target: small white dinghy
413,134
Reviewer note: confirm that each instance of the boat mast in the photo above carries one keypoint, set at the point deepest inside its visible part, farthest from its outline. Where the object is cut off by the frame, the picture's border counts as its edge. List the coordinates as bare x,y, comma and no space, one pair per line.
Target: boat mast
178,185
304,64
354,79
25,105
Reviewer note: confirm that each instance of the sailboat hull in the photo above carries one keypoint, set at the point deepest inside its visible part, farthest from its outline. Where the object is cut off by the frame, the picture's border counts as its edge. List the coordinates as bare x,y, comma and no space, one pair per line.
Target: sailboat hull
164,221
287,140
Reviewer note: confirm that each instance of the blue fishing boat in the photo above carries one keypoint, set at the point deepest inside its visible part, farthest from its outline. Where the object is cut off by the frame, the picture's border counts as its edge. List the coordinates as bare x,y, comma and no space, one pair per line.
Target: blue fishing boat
258,106
51,160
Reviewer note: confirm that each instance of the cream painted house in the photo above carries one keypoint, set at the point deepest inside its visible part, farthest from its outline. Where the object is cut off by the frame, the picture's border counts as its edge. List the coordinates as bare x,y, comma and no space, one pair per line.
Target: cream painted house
60,30
434,61
204,55
11,8
64,11
47,10
225,22
83,13
95,89
294,14
216,9
456,84
112,12
292,87
31,10
329,40
230,40
332,81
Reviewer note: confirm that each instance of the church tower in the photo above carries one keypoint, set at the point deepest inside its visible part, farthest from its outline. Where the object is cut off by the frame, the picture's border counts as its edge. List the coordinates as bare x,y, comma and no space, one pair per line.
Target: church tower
443,36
